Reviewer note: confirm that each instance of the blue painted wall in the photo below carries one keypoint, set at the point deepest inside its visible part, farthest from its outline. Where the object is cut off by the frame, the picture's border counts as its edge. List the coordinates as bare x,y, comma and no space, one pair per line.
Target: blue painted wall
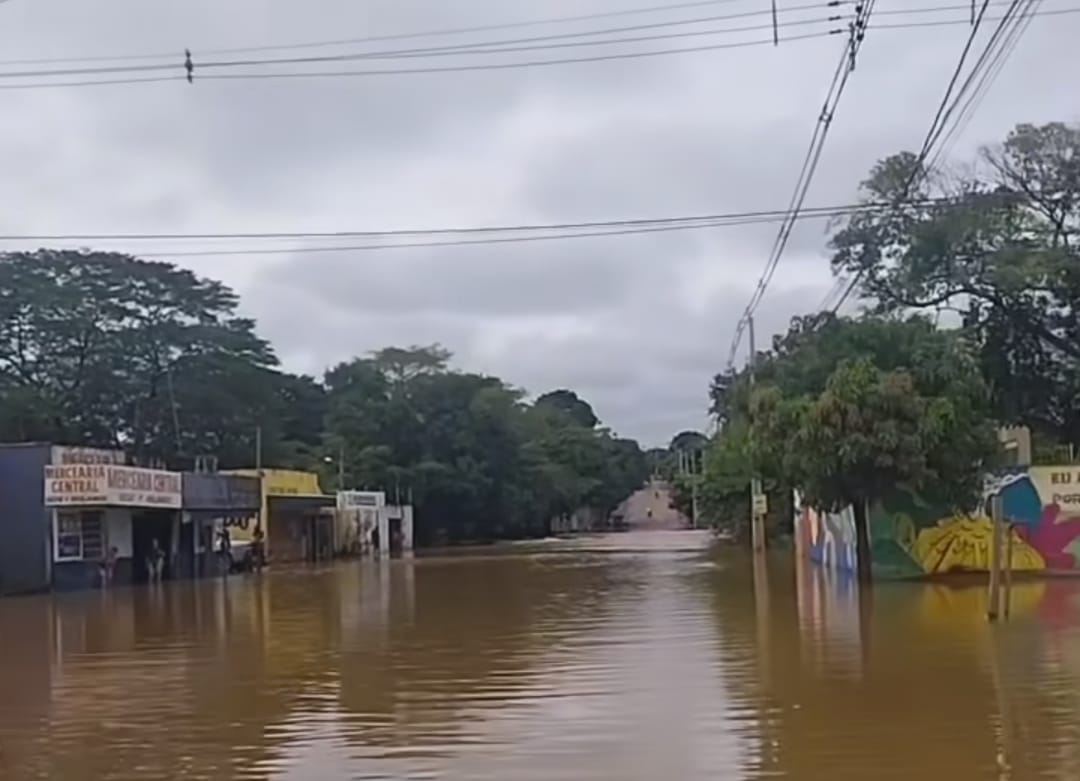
24,521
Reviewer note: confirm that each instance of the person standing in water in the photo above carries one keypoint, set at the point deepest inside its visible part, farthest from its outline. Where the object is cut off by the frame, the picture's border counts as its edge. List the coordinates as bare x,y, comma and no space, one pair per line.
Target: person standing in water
258,550
155,562
225,550
108,566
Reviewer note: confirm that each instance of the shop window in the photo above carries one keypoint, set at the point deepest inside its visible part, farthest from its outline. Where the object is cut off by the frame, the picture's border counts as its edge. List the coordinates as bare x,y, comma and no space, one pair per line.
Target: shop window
80,535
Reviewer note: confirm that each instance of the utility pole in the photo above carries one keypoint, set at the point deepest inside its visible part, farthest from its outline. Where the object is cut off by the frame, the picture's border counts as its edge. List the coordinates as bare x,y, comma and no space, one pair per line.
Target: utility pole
997,512
694,491
758,501
341,466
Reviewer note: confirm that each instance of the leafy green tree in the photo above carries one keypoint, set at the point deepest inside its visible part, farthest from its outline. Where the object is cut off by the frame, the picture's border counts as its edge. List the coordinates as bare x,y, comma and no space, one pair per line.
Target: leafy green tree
478,462
996,245
105,349
880,426
687,441
568,402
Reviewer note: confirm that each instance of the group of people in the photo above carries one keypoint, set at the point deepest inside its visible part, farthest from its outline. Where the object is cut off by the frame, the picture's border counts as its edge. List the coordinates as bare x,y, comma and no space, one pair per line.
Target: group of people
255,557
155,559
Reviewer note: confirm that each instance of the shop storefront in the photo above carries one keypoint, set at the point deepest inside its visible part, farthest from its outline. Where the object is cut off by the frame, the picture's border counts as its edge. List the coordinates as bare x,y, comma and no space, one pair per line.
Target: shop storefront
110,521
378,527
296,516
212,504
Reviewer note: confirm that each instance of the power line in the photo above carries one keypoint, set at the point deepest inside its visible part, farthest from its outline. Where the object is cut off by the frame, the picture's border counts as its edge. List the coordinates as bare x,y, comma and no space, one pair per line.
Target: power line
448,69
392,36
171,56
986,67
745,217
475,48
484,47
845,67
523,44
442,69
945,108
996,64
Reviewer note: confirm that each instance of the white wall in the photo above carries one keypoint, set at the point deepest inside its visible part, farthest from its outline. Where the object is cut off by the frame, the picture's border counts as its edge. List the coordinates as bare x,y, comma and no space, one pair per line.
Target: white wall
407,526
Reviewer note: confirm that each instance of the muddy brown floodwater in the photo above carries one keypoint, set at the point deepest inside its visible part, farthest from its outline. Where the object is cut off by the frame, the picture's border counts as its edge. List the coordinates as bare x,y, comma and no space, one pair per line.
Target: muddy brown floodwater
643,656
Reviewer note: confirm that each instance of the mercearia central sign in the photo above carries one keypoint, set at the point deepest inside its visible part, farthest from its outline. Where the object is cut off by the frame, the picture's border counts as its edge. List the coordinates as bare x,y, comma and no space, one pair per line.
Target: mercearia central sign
82,485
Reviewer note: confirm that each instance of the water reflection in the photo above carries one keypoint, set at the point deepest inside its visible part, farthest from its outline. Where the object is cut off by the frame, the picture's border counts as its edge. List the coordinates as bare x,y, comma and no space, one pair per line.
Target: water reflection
629,657
910,680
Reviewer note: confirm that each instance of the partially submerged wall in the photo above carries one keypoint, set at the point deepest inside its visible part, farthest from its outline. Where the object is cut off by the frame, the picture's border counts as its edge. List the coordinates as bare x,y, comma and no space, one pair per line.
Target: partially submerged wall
825,538
911,538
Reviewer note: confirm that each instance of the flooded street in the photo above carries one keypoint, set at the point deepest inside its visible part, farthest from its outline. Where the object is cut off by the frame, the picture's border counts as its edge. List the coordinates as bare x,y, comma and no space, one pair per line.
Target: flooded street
637,656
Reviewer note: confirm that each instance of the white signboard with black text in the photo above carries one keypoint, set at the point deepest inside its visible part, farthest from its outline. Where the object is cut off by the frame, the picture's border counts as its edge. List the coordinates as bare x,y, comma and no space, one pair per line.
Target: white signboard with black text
107,485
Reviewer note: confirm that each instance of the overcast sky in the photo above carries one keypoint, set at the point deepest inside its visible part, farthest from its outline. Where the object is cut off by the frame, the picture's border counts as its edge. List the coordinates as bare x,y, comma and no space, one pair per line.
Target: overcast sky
636,324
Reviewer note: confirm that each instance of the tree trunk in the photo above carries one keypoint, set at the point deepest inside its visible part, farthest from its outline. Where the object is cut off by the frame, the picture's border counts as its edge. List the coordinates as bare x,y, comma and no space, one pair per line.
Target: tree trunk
862,540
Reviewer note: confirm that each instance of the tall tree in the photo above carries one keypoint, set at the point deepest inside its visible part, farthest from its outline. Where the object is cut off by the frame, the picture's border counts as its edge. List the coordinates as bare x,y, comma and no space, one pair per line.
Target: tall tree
996,244
688,441
909,416
569,403
478,461
105,349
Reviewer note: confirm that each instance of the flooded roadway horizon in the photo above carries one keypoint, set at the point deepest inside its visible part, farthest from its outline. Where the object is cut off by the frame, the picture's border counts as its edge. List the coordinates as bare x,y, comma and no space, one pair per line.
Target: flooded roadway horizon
645,655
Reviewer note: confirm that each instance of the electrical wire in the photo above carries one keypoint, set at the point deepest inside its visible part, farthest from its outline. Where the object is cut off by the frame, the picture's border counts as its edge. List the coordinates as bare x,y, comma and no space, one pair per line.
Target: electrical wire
478,67
506,46
839,82
989,62
391,36
440,69
524,44
171,56
985,82
709,220
484,47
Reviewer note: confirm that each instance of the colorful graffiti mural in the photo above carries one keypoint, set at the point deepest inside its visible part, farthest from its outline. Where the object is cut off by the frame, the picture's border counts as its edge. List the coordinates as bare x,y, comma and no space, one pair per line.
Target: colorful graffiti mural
1042,504
910,538
827,539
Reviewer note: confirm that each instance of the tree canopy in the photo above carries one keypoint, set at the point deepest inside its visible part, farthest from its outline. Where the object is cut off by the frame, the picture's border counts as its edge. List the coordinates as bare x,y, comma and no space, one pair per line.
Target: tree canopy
109,350
971,282
473,455
568,402
995,245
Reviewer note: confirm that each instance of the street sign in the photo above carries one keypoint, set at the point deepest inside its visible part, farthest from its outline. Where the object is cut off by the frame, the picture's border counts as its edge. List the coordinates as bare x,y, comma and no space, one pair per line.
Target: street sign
760,504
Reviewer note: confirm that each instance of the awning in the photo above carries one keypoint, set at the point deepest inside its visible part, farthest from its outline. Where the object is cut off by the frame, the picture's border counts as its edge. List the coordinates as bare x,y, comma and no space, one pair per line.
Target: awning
221,495
299,504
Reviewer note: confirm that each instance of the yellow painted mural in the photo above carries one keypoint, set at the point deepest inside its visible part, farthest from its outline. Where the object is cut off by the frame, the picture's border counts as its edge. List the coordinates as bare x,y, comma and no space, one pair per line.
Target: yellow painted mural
911,538
964,543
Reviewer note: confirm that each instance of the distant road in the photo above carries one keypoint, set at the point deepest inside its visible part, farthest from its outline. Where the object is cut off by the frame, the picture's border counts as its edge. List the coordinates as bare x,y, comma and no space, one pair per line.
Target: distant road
650,508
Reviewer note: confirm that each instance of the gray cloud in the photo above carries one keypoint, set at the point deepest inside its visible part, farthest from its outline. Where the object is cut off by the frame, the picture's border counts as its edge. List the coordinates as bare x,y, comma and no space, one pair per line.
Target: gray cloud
637,324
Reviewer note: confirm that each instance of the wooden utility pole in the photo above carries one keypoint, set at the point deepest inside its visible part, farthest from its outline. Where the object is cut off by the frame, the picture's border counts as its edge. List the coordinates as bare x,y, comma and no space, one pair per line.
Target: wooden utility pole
994,600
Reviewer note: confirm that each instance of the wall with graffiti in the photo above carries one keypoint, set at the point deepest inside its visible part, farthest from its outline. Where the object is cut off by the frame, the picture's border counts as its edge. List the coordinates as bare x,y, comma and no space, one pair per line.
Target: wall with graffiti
825,538
910,538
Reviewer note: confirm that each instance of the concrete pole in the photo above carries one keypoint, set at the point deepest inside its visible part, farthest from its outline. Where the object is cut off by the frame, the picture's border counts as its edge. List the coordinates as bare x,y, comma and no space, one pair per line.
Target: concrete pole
694,495
1008,567
757,522
994,601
